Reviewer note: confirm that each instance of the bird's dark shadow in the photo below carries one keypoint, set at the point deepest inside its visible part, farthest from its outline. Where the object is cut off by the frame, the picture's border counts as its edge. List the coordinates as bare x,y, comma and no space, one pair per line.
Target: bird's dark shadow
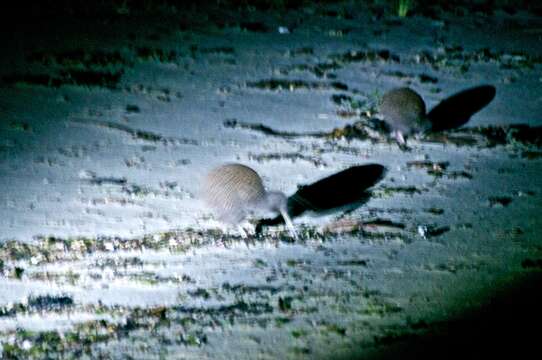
345,190
457,109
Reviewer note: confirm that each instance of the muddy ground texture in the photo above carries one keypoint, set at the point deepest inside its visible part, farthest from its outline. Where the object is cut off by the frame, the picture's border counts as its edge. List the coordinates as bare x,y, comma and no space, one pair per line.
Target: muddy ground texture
109,122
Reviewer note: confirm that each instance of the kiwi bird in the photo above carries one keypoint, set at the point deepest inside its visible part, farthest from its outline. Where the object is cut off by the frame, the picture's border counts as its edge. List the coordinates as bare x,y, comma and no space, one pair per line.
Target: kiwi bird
233,191
403,110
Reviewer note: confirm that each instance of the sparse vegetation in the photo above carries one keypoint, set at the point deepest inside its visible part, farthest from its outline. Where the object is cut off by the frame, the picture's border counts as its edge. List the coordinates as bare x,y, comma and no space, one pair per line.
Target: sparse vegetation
363,270
403,7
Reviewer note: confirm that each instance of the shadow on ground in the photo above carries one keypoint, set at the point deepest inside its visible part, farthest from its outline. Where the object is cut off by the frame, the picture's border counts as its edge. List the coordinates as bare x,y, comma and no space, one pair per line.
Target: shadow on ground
509,323
457,109
342,191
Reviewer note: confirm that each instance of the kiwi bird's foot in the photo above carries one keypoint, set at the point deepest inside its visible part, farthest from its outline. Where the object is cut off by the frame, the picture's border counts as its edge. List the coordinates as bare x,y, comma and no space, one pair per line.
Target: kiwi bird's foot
404,147
245,229
242,232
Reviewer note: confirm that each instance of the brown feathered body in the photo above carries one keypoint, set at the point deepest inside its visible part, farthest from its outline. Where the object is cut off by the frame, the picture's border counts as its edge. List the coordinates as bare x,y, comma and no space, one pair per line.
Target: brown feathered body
403,110
232,191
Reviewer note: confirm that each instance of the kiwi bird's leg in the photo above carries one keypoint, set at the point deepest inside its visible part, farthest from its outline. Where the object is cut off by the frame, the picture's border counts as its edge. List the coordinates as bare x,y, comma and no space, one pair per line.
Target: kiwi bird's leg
288,222
248,227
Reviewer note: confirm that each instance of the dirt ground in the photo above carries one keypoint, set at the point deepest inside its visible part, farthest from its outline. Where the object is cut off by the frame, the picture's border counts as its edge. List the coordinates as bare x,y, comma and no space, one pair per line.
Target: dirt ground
110,117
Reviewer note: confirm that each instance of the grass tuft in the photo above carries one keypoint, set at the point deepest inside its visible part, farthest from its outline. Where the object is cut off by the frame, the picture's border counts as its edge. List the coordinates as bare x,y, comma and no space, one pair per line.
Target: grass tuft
403,7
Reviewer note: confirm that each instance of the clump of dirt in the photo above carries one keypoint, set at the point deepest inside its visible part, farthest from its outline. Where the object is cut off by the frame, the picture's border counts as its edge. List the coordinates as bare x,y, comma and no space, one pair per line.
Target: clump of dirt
156,54
355,56
316,161
87,78
292,85
79,58
502,201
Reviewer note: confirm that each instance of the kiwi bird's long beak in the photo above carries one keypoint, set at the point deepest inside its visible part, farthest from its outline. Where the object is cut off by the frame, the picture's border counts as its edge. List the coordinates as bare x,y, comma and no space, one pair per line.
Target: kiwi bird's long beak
399,137
288,222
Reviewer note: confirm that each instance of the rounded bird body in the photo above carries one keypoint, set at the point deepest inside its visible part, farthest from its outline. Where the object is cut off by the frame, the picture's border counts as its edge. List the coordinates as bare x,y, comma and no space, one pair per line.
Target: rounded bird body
233,191
403,110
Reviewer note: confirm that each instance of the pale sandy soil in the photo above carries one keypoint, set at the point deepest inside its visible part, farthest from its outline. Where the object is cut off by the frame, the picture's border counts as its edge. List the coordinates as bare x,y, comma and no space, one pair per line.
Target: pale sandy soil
108,126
